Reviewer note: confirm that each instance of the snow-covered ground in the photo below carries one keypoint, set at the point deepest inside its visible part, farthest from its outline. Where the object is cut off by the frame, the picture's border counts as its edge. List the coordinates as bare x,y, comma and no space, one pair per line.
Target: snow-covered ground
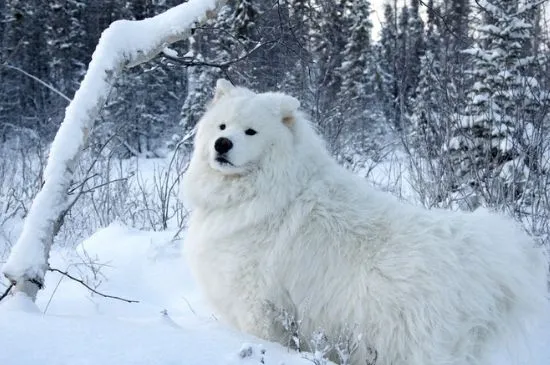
171,324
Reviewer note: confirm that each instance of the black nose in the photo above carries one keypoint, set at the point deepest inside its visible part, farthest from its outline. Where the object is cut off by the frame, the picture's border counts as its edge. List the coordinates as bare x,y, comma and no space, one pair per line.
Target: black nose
222,145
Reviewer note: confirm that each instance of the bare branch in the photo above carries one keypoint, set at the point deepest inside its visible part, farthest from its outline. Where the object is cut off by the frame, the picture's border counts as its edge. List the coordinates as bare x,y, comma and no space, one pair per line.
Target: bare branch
64,273
107,183
190,61
82,183
49,86
6,292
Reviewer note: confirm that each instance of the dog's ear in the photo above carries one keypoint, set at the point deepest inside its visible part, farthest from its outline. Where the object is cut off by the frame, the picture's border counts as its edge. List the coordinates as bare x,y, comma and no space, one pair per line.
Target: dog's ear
289,107
223,88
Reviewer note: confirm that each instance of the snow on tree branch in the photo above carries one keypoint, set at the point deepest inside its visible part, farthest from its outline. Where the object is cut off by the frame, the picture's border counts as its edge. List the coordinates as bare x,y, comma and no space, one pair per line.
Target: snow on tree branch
124,44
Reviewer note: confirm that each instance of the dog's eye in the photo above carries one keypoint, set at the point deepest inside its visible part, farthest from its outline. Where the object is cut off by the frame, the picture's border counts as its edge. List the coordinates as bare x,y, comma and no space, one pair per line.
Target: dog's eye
222,126
250,132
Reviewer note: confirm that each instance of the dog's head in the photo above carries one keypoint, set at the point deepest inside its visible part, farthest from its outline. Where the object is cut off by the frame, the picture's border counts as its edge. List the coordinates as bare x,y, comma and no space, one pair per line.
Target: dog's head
241,130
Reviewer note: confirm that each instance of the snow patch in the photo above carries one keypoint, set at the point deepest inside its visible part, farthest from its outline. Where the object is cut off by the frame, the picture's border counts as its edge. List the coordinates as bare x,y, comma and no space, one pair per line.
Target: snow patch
19,302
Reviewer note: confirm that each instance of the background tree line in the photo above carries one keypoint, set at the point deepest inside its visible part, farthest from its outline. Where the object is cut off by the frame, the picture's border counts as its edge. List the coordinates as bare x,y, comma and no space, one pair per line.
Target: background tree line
458,88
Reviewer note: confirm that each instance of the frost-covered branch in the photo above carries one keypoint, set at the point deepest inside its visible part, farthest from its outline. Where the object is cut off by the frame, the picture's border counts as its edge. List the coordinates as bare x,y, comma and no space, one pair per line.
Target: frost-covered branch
495,11
124,44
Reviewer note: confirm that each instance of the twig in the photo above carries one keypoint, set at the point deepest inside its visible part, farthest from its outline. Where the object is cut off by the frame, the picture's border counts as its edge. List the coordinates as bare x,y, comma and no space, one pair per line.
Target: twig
61,218
83,182
53,294
52,88
107,183
190,61
189,305
6,292
90,288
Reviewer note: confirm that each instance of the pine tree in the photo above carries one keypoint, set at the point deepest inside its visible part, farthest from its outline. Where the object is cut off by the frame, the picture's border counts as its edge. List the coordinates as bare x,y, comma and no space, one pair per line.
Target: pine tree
24,39
430,92
355,59
144,105
199,83
357,89
457,25
331,36
455,38
416,49
65,36
245,16
410,48
387,81
297,80
491,141
209,46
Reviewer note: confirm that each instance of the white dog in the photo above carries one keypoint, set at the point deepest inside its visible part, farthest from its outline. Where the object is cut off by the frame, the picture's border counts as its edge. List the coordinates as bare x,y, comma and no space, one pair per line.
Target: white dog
277,226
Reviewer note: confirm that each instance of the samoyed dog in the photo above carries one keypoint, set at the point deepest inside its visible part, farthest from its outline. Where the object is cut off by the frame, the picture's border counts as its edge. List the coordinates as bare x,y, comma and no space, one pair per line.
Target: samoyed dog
279,230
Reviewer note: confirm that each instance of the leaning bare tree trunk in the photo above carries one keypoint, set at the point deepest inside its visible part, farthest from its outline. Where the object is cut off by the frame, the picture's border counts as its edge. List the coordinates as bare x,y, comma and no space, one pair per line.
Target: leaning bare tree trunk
124,44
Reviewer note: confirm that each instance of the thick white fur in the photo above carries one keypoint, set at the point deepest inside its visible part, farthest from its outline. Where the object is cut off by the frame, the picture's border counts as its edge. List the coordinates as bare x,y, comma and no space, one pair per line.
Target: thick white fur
284,226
